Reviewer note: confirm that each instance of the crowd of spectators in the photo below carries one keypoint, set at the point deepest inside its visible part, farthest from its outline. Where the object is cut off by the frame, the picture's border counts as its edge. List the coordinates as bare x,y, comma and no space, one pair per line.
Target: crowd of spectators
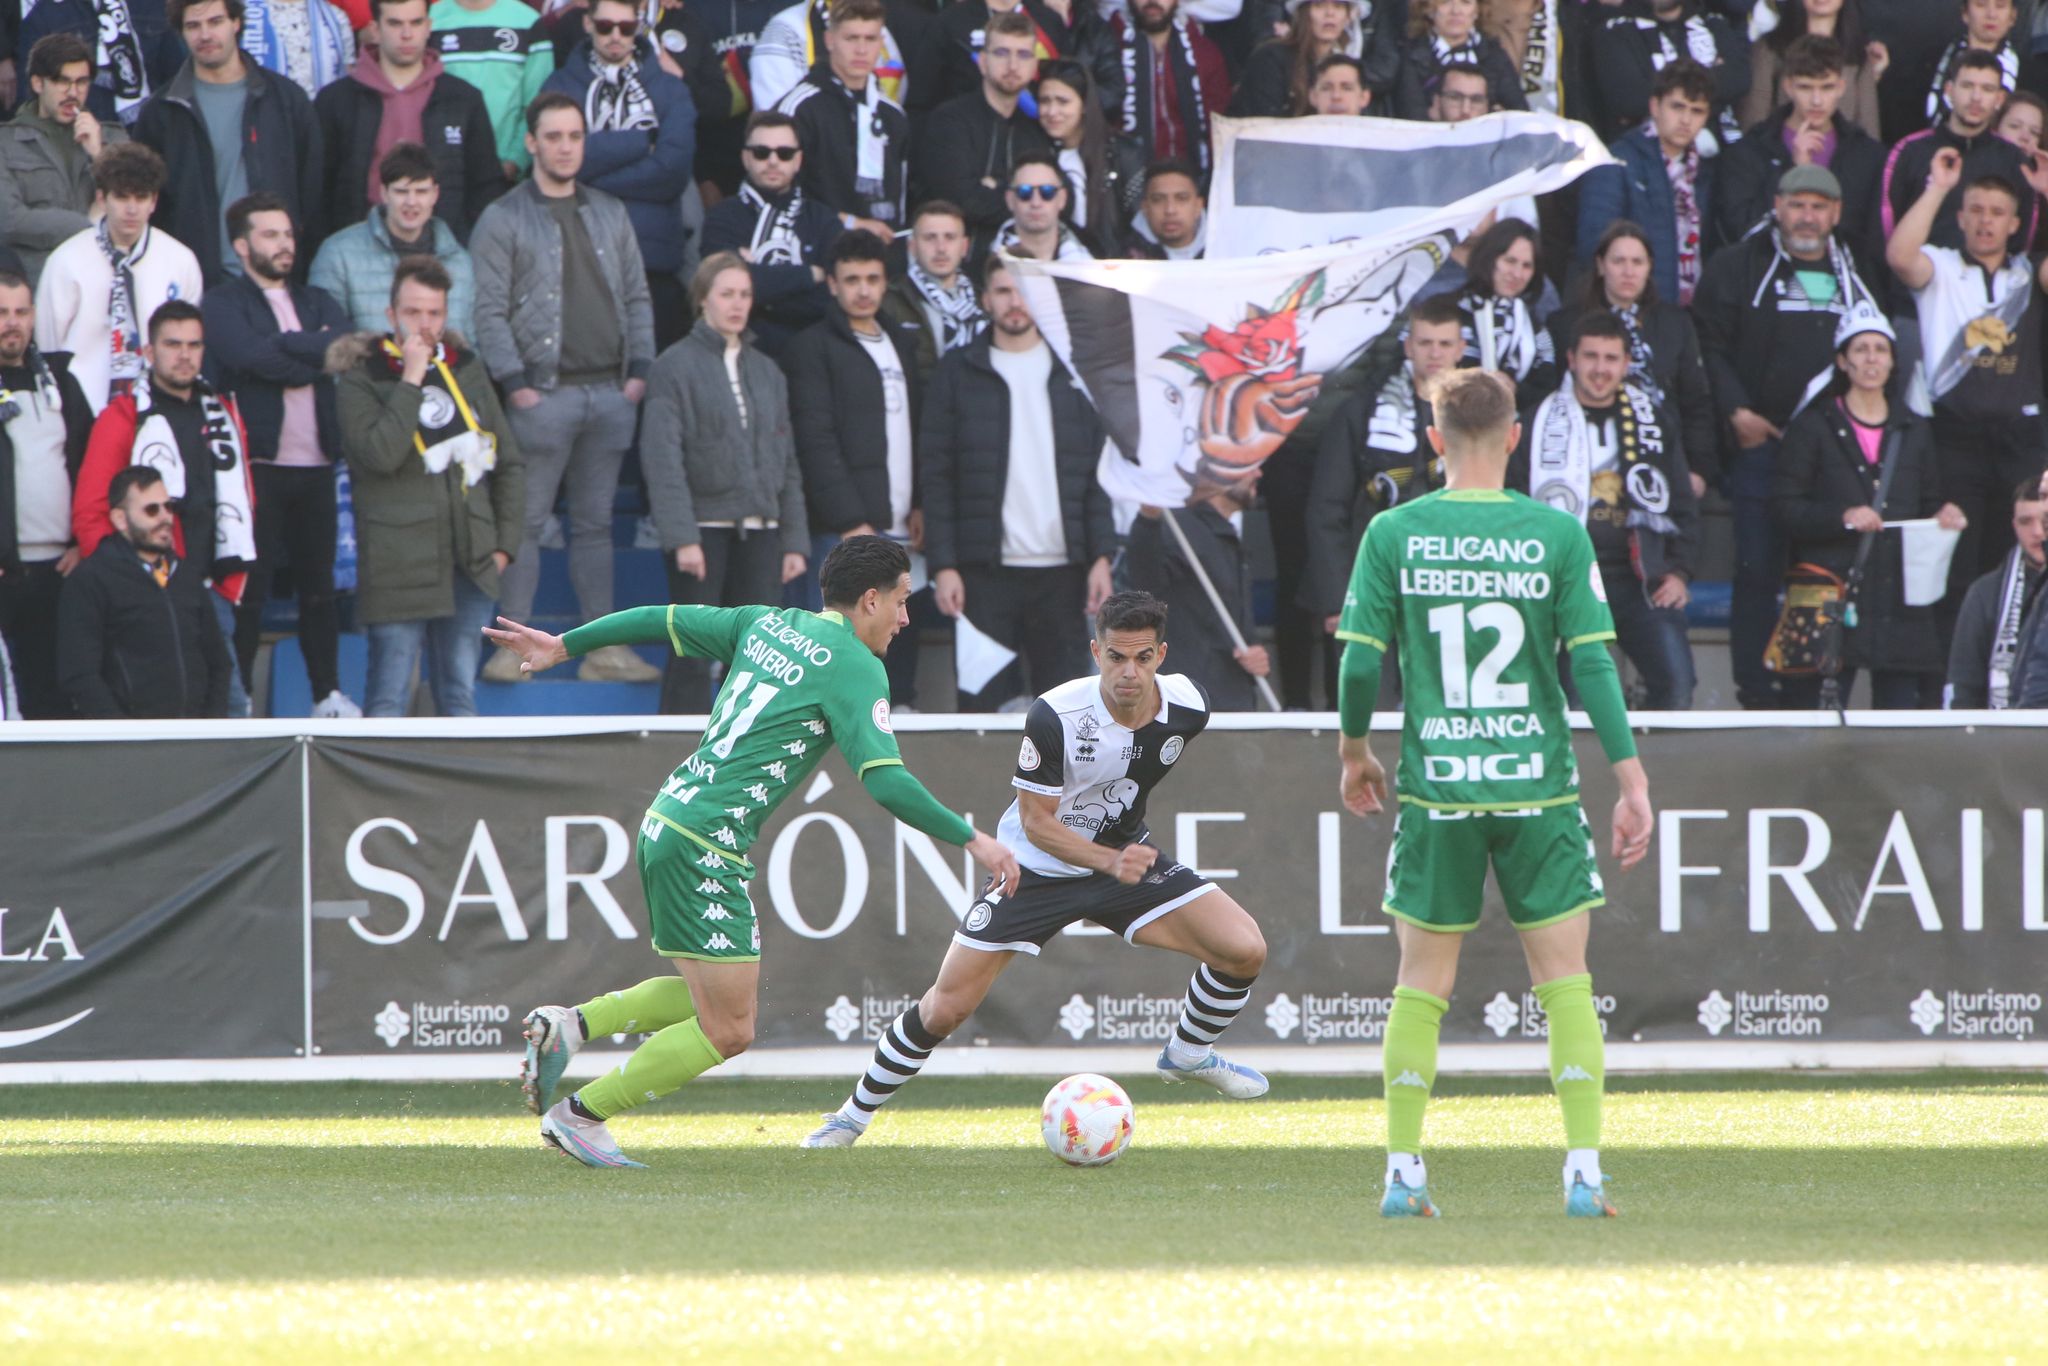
366,301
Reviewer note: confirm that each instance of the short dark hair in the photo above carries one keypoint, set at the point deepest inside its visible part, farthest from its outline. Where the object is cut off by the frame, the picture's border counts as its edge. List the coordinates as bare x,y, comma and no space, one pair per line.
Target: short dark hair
2028,490
1975,59
543,103
1460,67
55,51
771,118
859,563
990,264
1337,59
855,244
1036,158
1684,77
427,270
174,311
129,169
1599,322
1437,310
1010,24
407,161
1999,184
1130,610
857,11
377,7
1813,58
14,279
249,205
174,11
933,208
1173,166
132,477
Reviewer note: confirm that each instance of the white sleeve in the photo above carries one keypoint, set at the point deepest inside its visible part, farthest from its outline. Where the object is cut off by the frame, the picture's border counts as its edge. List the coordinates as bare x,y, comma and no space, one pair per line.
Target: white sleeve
777,62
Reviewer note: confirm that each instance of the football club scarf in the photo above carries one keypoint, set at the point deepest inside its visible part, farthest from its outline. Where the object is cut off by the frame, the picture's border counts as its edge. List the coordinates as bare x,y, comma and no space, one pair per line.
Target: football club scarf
775,241
332,45
1561,466
1140,109
124,329
1543,60
1723,128
959,314
2005,639
1502,337
617,101
2008,75
448,432
234,522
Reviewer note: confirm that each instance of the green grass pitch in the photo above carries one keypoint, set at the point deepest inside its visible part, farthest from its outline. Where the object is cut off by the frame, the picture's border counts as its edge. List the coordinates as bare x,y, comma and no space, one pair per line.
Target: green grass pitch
1808,1218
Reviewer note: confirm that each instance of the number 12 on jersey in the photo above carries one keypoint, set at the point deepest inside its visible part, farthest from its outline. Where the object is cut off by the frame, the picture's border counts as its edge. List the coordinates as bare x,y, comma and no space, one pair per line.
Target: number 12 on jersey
1482,688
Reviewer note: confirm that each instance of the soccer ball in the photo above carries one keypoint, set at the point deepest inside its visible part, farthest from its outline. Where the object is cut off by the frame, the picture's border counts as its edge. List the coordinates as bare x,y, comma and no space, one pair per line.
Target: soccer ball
1087,1121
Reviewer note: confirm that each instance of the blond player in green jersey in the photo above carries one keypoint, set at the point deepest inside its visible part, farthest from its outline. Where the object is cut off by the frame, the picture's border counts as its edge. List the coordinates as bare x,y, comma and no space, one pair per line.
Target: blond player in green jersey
796,685
1482,589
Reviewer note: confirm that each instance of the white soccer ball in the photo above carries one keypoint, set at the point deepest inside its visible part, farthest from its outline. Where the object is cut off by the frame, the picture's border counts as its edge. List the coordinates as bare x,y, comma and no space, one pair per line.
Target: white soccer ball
1087,1121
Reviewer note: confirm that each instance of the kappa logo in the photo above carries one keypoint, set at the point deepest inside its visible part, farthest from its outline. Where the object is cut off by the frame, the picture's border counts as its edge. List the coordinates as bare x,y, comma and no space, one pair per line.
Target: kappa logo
815,727
718,941
778,770
1410,1078
726,837
1574,1072
979,916
738,813
716,912
758,792
709,887
711,860
796,748
1170,751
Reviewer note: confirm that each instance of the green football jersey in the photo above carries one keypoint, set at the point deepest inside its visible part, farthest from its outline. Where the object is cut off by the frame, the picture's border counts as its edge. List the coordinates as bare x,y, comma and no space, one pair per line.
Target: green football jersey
1482,589
796,684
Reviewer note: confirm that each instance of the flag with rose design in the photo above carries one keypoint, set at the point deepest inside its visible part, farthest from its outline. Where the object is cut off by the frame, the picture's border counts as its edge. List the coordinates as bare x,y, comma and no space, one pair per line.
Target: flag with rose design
1201,369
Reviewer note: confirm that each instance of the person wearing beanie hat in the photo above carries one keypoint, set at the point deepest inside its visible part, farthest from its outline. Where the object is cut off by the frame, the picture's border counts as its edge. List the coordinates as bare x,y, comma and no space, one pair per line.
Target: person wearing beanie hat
1853,461
1981,372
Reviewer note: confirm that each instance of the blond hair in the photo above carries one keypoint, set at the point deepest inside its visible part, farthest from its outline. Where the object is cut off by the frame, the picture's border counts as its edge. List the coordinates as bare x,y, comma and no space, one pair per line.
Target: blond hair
1471,406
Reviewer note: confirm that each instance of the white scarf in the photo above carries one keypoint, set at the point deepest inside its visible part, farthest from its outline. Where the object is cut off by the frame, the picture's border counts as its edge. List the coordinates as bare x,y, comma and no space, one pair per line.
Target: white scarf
1640,358
775,241
1393,417
156,445
118,56
1561,459
1069,249
870,142
2005,640
959,315
1182,69
617,101
1501,336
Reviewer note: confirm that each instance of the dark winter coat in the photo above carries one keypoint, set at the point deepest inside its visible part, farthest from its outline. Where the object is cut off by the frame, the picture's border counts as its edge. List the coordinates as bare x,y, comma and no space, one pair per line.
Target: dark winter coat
1751,168
647,173
1639,189
455,127
1676,366
127,649
842,428
1416,80
248,355
787,297
967,463
1621,64
1821,474
968,142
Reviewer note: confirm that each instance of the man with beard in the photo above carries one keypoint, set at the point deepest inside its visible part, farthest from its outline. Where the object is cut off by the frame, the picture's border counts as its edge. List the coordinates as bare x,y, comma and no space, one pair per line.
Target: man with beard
1161,79
135,637
1975,96
967,152
44,424
1767,310
778,231
267,341
47,151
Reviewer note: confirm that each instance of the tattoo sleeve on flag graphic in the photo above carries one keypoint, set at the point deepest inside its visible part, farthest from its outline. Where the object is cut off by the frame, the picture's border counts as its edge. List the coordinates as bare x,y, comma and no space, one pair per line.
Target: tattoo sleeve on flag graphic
1284,184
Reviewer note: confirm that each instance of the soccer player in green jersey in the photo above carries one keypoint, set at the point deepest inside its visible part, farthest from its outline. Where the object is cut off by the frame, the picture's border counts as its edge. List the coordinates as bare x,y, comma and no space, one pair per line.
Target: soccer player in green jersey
1482,588
796,684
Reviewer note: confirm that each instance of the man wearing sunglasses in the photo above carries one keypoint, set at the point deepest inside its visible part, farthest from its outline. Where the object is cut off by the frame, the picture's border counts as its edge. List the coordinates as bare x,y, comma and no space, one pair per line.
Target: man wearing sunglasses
973,141
136,637
639,145
398,92
778,230
1037,226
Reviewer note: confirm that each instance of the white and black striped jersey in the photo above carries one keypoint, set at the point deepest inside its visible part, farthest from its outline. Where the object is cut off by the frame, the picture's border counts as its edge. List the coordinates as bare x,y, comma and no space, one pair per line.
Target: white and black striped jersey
1101,773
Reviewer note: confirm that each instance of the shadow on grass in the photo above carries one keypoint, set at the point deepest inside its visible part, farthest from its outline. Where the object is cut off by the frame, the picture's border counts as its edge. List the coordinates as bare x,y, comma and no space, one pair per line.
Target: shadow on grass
753,1096
122,1211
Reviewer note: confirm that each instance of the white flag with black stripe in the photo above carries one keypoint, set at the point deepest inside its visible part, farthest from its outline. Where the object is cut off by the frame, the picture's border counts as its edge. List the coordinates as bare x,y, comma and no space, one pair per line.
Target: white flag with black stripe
1285,184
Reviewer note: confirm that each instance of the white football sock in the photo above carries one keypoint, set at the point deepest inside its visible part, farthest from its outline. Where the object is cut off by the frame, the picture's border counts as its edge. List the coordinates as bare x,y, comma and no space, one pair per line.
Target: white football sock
1583,1162
1407,1166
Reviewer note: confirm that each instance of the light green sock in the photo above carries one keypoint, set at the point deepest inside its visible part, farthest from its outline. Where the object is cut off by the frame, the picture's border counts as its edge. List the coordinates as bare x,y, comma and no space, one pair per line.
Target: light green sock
655,1004
656,1068
1578,1056
1409,1061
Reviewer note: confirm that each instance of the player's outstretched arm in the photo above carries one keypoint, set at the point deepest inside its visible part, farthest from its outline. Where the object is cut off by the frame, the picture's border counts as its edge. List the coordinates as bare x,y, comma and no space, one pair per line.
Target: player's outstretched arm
899,792
1364,784
1600,689
537,650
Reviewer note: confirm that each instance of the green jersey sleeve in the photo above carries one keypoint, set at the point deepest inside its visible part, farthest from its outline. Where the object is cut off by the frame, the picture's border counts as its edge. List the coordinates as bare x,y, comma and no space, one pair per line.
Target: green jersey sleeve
710,632
1582,613
1371,601
857,709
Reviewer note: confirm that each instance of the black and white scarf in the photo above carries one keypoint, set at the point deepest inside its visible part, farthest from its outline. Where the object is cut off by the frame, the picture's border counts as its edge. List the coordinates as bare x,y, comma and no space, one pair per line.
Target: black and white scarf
1398,417
958,312
1543,60
10,709
1641,359
118,56
2005,637
1561,466
448,432
1141,103
1501,336
1007,238
156,445
124,328
1783,278
1724,128
2008,55
617,101
775,241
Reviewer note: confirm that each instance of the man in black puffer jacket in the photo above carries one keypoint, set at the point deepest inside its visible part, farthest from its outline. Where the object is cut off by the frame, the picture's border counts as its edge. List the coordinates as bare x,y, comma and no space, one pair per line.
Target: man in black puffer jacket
1017,528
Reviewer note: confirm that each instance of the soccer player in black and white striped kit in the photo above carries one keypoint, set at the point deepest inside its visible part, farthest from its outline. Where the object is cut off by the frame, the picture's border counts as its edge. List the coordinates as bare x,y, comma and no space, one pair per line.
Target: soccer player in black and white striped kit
1093,750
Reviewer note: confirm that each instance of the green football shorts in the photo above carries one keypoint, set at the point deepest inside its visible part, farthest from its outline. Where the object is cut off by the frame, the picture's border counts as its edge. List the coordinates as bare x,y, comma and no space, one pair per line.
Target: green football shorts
696,898
1543,863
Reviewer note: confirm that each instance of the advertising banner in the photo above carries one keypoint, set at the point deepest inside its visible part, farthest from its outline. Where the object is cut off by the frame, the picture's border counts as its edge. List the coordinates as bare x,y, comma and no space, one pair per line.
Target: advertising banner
151,900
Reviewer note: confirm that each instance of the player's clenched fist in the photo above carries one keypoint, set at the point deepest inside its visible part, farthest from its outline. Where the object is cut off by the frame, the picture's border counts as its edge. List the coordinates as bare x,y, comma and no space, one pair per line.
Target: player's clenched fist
1132,862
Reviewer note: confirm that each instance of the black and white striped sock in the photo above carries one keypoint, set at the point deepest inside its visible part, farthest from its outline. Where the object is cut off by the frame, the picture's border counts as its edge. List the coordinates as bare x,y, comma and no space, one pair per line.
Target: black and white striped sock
904,1048
1213,1001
